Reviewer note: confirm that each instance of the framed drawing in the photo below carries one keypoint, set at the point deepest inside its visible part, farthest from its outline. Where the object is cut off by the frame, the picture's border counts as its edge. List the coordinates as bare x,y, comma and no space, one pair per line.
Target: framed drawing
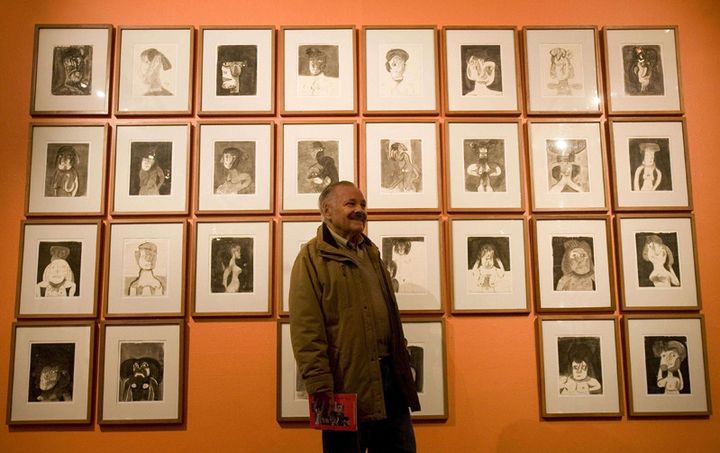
481,70
401,166
567,166
401,70
562,70
142,372
319,70
573,263
154,71
666,365
658,264
66,170
145,270
426,346
59,268
237,74
650,164
642,69
51,369
232,268
235,171
484,168
411,251
151,164
293,235
292,398
579,372
490,267
71,70
315,155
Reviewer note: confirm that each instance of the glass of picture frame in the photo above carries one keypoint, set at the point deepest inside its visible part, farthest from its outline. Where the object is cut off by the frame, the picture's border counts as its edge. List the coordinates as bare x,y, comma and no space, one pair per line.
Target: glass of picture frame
426,347
292,398
58,354
293,234
71,70
579,371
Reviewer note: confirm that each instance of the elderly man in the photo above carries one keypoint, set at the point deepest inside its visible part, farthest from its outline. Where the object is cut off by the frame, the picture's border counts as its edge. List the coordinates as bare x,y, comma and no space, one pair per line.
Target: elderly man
346,331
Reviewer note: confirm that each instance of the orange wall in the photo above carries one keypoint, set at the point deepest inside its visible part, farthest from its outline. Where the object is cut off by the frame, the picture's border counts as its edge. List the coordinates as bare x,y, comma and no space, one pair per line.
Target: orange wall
492,378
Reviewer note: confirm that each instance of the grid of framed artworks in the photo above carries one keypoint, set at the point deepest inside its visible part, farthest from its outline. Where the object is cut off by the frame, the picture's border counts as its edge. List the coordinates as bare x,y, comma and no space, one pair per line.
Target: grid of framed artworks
490,178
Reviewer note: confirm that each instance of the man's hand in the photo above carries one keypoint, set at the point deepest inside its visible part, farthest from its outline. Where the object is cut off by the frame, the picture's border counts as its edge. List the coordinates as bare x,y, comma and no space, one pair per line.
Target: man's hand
323,402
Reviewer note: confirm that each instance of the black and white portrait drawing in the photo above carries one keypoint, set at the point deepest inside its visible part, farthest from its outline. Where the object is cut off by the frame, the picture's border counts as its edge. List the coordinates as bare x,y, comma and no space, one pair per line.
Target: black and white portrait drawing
400,71
234,169
154,70
657,259
52,367
666,365
488,264
481,70
580,366
318,70
141,371
72,71
231,265
66,169
406,261
642,70
236,73
417,363
484,161
573,263
150,164
568,165
563,74
58,270
145,267
401,165
317,164
650,164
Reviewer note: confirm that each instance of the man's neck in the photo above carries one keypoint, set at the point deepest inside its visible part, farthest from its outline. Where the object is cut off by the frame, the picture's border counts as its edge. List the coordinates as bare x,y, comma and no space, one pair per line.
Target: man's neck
352,239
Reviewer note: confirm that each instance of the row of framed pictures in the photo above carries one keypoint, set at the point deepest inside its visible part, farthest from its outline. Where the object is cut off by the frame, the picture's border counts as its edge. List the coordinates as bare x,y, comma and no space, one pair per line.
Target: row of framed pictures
318,66
487,263
402,166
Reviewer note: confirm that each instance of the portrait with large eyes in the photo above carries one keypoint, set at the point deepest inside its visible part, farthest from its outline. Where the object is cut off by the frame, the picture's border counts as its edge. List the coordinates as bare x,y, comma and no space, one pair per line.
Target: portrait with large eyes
667,365
481,70
141,371
657,259
236,73
573,263
58,269
580,366
51,372
234,167
72,70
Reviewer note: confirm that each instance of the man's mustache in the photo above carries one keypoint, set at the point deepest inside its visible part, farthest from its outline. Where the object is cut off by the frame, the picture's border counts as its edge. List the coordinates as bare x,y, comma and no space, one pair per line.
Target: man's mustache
358,216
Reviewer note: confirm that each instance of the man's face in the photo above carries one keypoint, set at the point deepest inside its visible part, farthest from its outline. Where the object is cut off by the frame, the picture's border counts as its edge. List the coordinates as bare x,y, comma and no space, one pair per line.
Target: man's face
147,163
579,370
73,68
145,258
397,68
488,258
228,159
648,158
58,271
579,261
345,210
669,360
315,66
49,377
481,71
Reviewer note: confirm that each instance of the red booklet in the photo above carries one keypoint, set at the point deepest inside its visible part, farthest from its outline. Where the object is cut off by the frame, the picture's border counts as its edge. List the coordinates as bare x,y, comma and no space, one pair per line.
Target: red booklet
342,415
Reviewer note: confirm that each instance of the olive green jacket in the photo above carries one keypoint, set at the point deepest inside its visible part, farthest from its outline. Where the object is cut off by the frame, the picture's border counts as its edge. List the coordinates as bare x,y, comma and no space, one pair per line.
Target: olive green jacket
332,329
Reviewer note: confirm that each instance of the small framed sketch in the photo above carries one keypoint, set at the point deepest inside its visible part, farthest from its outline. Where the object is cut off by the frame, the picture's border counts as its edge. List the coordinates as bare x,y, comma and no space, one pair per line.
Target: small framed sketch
490,268
142,372
293,235
573,263
426,347
235,171
567,166
658,263
232,268
319,70
401,70
58,269
411,251
66,171
51,369
562,75
484,166
579,371
650,164
237,75
642,70
145,274
401,166
151,167
315,155
481,70
154,71
292,398
71,70
666,364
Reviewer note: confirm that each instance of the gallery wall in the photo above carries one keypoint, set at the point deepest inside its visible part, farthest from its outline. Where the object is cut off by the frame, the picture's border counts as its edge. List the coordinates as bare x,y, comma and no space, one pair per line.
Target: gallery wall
493,396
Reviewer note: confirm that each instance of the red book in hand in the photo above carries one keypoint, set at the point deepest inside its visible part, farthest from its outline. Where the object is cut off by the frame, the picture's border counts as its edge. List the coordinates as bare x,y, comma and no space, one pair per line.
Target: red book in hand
341,416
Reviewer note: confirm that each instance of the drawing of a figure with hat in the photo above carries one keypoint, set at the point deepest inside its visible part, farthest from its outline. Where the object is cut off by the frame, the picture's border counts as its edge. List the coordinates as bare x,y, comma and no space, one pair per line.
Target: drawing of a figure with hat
567,161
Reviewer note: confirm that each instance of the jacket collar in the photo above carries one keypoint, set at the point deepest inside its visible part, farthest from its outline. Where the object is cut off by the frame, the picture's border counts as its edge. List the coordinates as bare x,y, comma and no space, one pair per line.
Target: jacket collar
329,247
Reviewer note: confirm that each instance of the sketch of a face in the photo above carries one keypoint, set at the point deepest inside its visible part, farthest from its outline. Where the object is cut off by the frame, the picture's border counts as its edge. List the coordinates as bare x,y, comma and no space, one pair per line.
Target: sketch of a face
51,372
580,366
579,370
650,164
229,158
396,59
487,257
58,271
316,61
666,364
141,371
152,64
576,269
561,67
72,71
231,71
657,266
146,255
236,70
481,71
58,276
147,162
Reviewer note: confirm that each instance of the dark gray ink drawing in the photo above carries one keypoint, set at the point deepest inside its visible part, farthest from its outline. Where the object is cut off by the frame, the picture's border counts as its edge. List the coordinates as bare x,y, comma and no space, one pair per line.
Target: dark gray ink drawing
401,165
234,171
580,366
141,371
317,164
236,72
52,368
417,364
152,65
573,263
481,70
650,164
567,165
406,260
666,365
66,169
657,259
72,71
147,282
484,165
58,270
643,72
231,268
488,264
318,70
562,72
150,164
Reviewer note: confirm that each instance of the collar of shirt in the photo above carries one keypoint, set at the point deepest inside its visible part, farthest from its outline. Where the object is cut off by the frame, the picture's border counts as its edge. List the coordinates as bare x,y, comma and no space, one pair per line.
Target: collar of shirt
344,243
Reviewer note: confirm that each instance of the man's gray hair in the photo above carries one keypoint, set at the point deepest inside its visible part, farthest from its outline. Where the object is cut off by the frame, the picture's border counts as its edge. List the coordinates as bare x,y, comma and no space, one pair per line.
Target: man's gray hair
328,192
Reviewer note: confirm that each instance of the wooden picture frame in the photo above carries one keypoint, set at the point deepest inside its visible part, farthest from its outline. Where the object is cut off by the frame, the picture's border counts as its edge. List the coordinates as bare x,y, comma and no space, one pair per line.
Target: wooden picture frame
292,399
293,233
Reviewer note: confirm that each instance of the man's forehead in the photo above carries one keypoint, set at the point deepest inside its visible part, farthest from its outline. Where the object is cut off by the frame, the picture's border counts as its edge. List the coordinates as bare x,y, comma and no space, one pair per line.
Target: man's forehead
347,193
